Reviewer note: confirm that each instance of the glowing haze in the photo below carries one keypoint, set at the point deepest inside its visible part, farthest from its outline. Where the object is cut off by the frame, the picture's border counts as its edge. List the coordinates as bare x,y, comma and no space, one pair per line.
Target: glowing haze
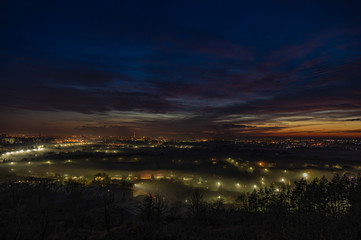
189,69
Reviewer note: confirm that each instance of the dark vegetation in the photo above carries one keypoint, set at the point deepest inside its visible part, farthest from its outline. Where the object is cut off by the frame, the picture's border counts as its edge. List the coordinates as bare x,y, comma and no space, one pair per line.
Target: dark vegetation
105,209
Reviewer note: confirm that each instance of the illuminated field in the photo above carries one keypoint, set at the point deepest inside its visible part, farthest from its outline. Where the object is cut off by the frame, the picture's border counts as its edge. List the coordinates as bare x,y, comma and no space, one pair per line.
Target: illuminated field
219,168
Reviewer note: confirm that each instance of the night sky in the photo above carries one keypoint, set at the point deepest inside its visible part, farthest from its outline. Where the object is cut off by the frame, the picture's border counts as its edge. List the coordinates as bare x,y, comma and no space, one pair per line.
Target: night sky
181,68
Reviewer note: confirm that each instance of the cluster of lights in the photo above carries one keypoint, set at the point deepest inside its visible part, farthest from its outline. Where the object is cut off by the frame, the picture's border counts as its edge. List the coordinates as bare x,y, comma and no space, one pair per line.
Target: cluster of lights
304,174
232,161
71,144
22,151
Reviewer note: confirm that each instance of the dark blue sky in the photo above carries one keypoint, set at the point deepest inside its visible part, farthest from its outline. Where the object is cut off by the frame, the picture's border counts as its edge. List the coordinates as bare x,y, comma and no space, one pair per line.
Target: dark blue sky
185,68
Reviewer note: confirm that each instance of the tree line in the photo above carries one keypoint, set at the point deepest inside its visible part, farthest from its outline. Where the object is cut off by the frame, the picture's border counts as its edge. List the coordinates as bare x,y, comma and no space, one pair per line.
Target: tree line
106,209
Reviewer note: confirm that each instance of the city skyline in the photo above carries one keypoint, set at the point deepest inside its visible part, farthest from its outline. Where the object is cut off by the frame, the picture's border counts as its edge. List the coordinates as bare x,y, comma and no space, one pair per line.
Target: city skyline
205,69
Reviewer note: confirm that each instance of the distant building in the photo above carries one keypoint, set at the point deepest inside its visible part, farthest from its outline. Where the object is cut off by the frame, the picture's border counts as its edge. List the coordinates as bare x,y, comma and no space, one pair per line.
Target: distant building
145,176
9,140
158,176
187,178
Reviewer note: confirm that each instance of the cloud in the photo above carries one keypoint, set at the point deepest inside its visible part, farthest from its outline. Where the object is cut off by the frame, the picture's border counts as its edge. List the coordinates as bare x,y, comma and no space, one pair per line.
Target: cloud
246,71
229,126
352,120
46,98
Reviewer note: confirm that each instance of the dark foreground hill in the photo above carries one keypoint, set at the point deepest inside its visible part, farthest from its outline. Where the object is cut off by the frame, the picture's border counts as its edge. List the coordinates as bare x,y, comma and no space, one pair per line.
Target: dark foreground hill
106,209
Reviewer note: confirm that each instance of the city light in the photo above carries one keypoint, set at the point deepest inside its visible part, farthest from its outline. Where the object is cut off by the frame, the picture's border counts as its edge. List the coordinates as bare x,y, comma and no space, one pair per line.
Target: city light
194,179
